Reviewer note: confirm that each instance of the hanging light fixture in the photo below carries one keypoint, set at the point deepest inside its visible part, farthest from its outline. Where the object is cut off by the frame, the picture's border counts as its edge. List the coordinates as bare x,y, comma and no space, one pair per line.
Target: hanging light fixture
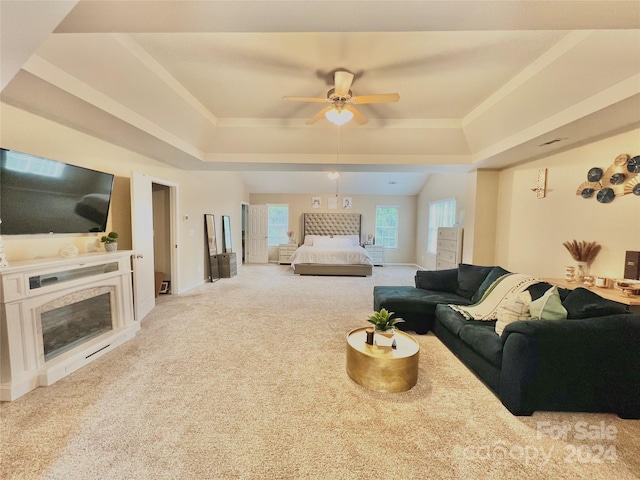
338,116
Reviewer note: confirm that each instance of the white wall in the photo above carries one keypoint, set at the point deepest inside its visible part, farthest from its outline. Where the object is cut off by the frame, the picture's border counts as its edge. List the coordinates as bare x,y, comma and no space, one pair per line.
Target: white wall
363,204
530,231
220,193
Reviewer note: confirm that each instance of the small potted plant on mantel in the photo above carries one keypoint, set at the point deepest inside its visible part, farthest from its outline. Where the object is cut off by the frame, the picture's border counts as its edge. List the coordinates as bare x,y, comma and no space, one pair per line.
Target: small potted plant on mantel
110,241
384,326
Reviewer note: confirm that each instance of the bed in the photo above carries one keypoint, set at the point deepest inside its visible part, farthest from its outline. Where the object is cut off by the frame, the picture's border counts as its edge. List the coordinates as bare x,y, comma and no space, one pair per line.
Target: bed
331,246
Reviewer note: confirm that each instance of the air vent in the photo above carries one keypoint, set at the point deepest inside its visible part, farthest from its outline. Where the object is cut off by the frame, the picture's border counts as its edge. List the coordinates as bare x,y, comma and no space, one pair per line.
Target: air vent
555,140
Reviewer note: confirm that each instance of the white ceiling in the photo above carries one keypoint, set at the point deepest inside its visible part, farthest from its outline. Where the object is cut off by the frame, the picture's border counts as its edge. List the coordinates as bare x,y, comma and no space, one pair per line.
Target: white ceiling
199,84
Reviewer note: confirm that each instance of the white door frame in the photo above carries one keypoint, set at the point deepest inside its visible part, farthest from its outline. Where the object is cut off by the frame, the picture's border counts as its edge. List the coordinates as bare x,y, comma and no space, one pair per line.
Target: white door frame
147,236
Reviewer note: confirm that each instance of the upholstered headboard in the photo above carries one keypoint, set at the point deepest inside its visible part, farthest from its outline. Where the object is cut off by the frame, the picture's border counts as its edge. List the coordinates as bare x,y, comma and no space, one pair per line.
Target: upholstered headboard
331,224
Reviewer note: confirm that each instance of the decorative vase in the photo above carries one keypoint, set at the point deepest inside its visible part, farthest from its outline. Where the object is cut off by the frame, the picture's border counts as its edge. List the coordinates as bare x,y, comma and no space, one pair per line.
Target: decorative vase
384,338
582,269
111,246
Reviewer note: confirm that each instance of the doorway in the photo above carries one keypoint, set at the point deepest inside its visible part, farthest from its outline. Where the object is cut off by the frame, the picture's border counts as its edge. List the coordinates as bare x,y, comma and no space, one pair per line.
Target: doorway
155,241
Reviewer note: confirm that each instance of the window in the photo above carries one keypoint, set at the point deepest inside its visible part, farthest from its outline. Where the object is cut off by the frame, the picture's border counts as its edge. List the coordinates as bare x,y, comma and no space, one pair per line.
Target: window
278,224
387,226
441,214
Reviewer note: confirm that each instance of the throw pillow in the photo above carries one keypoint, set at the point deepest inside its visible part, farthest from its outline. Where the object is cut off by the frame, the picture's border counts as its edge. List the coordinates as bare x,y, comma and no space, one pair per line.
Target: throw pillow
437,280
513,309
494,274
549,306
583,303
470,277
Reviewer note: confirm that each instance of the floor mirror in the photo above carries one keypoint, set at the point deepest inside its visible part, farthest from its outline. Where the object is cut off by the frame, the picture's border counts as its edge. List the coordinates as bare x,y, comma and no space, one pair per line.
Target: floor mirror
226,234
212,245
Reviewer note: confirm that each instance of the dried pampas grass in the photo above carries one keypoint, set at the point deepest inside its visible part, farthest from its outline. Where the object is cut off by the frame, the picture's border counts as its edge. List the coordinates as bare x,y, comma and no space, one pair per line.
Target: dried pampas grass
583,251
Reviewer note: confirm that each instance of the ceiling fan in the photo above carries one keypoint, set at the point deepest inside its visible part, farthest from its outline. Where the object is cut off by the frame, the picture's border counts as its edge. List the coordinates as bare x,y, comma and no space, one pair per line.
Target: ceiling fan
341,100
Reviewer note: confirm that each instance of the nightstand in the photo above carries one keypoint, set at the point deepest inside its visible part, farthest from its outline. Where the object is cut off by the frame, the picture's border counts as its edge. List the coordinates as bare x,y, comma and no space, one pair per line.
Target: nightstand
376,252
285,250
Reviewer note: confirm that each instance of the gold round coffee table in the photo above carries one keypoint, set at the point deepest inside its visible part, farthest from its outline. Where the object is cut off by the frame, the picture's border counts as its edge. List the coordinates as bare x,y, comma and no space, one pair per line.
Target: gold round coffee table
383,369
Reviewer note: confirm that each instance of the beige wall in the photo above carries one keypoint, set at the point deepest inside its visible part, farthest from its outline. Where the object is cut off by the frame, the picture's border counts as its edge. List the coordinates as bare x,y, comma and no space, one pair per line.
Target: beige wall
220,193
363,204
480,220
438,187
530,231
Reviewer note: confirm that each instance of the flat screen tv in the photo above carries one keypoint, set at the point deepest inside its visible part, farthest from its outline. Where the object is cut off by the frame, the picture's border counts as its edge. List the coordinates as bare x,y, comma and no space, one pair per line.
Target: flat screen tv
38,195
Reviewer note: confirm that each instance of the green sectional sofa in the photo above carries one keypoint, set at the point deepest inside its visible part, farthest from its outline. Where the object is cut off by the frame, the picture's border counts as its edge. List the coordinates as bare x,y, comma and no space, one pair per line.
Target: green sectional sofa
587,362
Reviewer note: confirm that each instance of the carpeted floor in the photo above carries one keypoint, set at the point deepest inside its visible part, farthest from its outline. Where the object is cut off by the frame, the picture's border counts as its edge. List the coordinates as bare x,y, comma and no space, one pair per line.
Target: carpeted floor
245,379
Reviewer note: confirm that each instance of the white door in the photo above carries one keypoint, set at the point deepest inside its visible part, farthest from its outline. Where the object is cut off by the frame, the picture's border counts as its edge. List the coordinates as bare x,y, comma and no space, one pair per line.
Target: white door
142,236
257,236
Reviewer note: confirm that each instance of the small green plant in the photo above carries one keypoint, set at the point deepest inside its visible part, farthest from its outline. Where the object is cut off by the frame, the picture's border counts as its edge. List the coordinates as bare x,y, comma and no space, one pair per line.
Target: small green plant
111,237
382,320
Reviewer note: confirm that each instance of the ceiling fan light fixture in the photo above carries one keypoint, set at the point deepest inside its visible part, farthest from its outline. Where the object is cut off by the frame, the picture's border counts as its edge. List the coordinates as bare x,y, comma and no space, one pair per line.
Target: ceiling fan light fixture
338,117
333,175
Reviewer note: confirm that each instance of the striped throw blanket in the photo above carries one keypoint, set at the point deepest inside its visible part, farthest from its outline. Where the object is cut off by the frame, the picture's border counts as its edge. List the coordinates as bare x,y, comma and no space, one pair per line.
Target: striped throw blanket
505,286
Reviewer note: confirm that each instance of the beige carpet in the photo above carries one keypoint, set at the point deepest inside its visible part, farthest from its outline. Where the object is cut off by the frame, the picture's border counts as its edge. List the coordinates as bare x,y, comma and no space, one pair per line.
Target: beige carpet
245,378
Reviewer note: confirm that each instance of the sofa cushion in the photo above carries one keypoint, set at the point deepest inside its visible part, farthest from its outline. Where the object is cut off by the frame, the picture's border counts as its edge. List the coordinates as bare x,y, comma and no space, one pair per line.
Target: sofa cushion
583,303
482,339
513,309
437,280
450,319
470,277
548,307
401,299
494,274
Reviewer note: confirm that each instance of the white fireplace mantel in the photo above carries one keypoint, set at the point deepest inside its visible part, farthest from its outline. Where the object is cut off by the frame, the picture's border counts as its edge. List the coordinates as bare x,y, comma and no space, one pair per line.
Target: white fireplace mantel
27,286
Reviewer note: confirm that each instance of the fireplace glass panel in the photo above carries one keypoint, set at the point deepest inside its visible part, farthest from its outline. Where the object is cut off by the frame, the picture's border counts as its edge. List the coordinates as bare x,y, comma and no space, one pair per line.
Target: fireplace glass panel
67,327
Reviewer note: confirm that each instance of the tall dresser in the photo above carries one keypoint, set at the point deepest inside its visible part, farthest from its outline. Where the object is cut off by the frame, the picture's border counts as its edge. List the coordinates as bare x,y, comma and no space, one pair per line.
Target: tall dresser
449,248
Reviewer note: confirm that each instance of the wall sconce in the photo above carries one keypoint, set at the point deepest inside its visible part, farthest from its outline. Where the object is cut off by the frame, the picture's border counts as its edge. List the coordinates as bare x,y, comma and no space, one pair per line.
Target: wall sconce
541,183
338,117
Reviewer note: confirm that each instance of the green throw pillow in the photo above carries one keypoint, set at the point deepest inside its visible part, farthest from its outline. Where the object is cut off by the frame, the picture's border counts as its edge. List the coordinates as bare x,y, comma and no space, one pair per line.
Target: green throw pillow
548,307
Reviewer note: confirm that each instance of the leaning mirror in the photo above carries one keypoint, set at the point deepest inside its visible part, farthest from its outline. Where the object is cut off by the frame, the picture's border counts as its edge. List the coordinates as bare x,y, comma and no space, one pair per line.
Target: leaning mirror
212,246
226,234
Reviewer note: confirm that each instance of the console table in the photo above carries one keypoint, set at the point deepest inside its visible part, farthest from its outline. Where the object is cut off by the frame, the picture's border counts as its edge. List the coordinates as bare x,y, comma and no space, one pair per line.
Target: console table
58,314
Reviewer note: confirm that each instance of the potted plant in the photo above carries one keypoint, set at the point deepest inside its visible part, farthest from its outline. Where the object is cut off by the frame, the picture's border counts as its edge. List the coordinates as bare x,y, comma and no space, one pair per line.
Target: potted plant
110,241
384,326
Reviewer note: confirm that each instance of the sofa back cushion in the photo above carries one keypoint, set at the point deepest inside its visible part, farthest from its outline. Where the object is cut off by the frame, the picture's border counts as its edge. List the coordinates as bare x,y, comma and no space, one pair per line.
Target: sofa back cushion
437,280
470,277
583,303
494,274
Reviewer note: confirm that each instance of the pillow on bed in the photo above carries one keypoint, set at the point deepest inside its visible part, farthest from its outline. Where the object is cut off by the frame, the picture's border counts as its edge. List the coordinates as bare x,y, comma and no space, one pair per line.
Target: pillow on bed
354,239
308,240
331,242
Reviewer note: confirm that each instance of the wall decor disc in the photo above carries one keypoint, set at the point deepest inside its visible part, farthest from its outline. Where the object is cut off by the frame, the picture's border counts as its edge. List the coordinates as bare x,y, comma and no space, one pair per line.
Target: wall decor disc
632,186
594,175
606,195
617,178
587,192
633,165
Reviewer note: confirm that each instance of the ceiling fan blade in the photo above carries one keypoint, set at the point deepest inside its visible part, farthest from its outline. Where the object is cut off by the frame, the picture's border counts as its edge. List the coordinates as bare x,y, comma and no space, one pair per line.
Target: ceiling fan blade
357,116
318,115
378,98
306,99
343,83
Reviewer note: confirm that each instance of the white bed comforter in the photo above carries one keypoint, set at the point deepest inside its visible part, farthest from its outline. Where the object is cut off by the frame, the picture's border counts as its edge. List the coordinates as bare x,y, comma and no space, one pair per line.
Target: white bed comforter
343,255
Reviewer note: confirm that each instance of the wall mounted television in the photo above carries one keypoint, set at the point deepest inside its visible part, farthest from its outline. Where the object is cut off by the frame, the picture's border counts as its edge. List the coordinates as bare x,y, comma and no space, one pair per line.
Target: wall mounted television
38,195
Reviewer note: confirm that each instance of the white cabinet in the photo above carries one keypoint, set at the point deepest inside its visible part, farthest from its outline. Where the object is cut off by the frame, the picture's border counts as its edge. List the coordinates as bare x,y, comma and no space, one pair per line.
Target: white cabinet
449,249
376,252
285,250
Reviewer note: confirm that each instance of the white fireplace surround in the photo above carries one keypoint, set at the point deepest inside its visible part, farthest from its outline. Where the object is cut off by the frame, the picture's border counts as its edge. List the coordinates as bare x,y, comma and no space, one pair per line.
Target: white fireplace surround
30,287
